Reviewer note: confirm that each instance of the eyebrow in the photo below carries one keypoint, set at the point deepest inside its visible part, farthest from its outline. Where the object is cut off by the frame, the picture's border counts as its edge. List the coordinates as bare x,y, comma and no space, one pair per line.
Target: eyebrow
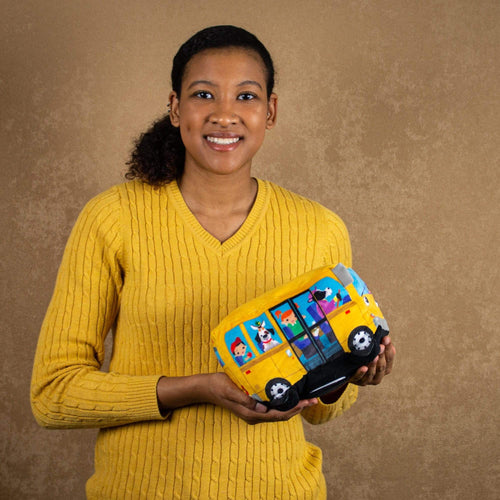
250,82
212,84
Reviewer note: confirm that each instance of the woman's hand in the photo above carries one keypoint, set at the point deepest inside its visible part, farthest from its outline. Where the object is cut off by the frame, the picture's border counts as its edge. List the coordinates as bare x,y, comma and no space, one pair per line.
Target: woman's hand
223,392
381,366
218,389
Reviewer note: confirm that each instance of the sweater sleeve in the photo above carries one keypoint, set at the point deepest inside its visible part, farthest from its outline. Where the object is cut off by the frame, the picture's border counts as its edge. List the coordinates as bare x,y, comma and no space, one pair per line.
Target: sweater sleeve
336,241
68,389
337,247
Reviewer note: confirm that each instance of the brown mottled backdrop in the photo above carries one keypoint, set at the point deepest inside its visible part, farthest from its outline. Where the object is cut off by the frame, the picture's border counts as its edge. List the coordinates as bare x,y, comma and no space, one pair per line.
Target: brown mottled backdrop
389,115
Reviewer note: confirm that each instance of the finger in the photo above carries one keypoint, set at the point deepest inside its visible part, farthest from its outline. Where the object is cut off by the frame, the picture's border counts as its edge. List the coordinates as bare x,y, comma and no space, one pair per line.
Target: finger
260,408
390,355
358,376
271,416
372,369
380,371
280,416
386,340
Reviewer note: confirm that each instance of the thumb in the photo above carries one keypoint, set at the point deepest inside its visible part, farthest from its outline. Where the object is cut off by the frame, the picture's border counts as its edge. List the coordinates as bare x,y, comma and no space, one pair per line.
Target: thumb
260,408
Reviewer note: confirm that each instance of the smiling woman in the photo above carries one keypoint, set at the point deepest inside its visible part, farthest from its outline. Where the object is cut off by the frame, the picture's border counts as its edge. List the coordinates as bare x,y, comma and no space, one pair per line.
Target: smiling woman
223,107
165,257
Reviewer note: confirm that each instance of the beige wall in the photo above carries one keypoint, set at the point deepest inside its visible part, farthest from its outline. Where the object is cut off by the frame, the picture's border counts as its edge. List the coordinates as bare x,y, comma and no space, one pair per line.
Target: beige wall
388,115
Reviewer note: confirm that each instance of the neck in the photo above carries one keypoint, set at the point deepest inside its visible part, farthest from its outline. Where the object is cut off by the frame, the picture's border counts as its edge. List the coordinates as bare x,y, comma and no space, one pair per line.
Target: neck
216,195
220,203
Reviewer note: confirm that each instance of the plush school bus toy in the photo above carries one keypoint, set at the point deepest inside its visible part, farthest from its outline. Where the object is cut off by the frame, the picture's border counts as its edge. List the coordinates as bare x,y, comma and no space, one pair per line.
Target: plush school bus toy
302,339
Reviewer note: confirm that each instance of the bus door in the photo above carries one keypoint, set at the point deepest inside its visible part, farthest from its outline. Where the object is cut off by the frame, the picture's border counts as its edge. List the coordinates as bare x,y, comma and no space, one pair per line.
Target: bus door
305,345
304,322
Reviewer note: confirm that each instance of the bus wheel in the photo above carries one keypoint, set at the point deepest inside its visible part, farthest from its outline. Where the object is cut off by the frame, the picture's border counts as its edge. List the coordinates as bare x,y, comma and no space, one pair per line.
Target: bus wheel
282,396
361,341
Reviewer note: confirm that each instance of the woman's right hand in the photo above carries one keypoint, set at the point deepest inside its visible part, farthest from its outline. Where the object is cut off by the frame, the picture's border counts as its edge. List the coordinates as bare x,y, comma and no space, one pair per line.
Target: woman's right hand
223,392
218,389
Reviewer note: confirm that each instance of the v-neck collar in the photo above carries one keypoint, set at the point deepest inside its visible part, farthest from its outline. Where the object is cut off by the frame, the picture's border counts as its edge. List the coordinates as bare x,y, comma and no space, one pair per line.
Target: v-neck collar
203,235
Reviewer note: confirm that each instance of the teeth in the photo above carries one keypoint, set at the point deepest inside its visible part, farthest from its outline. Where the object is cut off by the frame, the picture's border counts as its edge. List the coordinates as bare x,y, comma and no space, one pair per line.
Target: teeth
222,140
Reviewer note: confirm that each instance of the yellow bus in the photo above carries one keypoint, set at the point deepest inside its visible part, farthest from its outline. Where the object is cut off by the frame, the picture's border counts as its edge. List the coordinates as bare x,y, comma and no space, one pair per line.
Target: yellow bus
302,339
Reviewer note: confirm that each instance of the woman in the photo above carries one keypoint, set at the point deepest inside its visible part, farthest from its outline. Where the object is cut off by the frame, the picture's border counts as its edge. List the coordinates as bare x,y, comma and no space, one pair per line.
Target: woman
165,257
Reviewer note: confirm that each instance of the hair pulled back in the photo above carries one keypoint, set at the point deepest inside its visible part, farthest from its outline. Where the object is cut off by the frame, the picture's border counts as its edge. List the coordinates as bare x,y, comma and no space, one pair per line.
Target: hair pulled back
159,154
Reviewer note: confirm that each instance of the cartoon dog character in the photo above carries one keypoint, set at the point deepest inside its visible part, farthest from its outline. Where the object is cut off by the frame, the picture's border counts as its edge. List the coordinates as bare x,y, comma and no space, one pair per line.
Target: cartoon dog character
264,336
321,297
320,294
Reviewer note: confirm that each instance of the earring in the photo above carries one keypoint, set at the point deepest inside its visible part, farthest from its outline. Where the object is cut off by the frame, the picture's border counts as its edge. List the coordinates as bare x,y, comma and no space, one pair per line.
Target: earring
169,108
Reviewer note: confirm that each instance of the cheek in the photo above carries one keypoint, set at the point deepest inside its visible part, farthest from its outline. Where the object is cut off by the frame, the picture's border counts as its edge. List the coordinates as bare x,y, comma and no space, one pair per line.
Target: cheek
259,132
186,130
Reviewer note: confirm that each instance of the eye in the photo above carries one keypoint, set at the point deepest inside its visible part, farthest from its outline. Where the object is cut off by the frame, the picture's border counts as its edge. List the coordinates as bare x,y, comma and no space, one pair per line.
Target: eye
246,96
203,94
367,301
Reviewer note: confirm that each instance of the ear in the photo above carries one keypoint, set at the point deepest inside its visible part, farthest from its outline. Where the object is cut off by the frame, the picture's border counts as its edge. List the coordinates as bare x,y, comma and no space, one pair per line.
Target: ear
272,110
173,102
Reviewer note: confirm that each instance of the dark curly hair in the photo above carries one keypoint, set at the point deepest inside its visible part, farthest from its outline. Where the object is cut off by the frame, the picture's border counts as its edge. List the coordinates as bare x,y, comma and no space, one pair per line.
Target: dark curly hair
158,157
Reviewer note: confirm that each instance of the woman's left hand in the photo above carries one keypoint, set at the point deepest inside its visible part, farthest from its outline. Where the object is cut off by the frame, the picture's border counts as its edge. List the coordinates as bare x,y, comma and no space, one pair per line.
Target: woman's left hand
381,366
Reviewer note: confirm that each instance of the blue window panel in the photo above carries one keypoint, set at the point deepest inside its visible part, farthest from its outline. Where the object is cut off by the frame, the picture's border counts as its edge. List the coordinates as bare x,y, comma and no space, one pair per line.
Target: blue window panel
238,346
262,333
358,283
329,295
286,318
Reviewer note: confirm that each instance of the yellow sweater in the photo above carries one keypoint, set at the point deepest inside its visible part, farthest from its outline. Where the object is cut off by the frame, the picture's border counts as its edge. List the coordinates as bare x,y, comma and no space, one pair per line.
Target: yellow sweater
138,259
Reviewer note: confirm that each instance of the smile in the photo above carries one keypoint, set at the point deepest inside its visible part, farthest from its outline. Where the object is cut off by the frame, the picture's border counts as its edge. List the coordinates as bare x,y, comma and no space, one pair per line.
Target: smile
224,141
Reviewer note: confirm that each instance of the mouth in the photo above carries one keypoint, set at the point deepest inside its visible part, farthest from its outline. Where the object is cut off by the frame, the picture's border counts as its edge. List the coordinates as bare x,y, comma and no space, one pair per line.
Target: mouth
222,141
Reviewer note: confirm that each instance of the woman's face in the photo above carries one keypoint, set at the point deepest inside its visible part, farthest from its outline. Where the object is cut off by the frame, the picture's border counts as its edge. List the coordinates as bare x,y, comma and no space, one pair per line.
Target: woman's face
223,110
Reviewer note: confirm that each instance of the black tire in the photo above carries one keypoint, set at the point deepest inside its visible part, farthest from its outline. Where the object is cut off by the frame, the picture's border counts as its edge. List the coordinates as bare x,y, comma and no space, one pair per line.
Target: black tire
282,396
361,341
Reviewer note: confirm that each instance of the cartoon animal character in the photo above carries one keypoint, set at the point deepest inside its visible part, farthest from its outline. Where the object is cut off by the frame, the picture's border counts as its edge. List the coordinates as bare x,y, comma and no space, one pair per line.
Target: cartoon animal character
264,336
239,348
320,294
321,297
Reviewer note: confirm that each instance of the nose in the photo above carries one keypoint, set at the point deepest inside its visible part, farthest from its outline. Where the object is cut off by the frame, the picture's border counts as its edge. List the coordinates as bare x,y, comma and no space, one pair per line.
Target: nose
223,115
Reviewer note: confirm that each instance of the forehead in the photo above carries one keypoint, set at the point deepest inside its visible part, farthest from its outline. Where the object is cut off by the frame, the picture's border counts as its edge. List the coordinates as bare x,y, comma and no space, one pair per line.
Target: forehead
226,65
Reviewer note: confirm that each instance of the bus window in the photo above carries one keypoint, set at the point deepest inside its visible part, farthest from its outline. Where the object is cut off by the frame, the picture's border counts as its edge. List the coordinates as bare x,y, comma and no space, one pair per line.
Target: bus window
326,339
327,295
311,302
292,327
261,332
238,346
358,283
310,315
288,321
306,352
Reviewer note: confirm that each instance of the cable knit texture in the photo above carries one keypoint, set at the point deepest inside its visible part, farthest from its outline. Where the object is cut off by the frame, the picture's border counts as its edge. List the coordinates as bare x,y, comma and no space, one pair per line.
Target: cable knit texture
139,263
